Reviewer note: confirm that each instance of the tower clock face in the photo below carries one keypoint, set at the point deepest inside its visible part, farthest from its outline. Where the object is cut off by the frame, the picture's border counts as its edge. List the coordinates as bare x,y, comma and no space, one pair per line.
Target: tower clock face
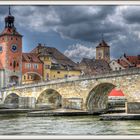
14,48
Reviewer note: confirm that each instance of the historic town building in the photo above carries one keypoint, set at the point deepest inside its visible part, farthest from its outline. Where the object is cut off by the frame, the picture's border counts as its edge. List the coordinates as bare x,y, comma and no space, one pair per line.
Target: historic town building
103,51
115,65
125,62
32,68
10,53
98,65
94,66
1,75
42,63
55,64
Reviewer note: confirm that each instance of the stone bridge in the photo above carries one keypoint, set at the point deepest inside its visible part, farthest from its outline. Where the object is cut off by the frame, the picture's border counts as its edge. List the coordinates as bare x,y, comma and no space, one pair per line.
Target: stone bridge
86,93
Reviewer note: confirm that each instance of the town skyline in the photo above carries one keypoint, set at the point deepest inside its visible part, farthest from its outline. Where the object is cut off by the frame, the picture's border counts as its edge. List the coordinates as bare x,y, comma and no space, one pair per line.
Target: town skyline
77,36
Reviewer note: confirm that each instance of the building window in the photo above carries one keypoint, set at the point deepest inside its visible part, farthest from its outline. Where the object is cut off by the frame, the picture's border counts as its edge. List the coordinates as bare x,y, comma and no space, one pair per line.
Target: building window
14,64
28,77
35,66
11,38
120,68
17,64
0,48
28,65
11,64
47,76
24,77
58,72
47,66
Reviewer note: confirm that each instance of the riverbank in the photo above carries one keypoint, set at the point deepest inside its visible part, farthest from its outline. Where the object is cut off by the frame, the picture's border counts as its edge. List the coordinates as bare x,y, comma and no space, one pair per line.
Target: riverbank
120,116
68,112
58,112
16,112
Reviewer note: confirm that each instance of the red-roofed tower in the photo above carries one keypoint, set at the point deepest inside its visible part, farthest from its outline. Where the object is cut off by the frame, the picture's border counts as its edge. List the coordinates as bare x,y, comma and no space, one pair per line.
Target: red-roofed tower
11,52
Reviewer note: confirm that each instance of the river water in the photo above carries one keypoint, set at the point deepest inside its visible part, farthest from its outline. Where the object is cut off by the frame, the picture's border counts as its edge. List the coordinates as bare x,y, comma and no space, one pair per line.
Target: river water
75,125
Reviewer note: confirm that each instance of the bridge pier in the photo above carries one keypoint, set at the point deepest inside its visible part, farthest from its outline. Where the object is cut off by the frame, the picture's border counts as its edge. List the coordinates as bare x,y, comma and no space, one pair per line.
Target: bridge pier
27,102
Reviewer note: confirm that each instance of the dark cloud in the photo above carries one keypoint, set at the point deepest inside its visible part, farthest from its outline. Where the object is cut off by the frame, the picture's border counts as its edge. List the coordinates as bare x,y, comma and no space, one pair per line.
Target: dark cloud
76,22
3,10
91,31
131,15
62,24
86,23
70,15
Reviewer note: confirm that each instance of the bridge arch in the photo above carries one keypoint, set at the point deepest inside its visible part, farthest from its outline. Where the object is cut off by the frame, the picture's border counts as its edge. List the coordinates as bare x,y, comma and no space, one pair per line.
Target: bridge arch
11,101
31,77
49,98
98,97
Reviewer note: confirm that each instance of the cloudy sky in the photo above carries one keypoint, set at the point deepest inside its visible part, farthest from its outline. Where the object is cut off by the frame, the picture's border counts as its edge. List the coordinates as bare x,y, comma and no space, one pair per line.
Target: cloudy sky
77,30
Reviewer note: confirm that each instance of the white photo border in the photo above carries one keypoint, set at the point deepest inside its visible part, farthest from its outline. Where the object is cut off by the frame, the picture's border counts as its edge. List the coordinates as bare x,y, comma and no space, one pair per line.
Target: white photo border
72,2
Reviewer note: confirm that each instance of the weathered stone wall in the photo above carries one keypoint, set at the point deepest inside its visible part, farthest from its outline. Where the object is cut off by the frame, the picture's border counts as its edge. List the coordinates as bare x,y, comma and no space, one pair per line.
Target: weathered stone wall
132,107
80,87
2,79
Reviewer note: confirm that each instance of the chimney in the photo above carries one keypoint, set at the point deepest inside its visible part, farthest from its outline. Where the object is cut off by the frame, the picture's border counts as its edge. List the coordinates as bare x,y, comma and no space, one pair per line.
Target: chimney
118,60
139,57
124,55
39,44
38,47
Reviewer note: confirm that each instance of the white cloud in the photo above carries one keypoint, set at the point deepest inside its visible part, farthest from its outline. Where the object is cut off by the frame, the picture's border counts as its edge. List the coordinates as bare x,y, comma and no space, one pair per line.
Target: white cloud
78,51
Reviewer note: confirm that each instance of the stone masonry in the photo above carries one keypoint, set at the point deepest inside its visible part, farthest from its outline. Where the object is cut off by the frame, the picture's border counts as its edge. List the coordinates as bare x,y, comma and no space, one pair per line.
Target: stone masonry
92,90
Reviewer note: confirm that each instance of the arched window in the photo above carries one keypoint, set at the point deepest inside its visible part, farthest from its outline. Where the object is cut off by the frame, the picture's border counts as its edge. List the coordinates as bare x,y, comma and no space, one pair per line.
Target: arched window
14,63
24,77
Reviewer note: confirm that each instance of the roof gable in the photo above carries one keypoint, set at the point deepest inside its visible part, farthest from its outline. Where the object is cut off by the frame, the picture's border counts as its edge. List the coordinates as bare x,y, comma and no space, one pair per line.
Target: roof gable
54,53
30,57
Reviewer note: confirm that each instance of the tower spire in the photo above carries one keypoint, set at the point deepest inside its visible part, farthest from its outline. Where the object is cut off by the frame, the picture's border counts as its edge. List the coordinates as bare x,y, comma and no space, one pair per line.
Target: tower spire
9,10
9,20
102,36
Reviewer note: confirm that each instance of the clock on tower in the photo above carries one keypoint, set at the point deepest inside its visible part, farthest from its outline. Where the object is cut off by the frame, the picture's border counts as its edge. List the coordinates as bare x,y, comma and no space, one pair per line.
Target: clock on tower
11,52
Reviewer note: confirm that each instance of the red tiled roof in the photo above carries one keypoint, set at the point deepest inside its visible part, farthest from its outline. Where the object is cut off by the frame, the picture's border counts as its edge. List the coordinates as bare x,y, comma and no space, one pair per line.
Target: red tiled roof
94,66
10,31
54,53
30,57
123,63
115,92
1,67
133,59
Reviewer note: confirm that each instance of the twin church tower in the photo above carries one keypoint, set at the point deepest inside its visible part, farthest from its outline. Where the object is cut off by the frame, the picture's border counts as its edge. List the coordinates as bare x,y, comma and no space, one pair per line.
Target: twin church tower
11,53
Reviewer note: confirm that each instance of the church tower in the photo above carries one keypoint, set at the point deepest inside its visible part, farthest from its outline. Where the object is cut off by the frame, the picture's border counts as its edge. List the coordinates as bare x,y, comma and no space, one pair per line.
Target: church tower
103,51
11,52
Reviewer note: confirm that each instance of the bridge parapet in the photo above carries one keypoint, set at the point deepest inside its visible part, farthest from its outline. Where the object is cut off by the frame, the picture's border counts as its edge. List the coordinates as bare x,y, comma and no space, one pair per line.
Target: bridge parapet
125,72
85,88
